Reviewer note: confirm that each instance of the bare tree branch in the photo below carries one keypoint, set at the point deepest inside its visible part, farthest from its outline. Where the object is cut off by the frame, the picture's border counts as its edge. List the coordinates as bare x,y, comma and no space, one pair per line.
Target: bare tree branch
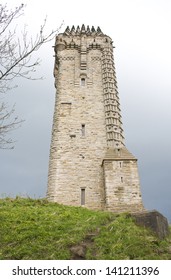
7,124
16,61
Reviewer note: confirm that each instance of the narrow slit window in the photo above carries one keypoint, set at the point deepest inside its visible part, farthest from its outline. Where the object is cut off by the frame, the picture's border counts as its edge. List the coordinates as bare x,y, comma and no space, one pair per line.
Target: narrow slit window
82,82
82,196
83,130
122,179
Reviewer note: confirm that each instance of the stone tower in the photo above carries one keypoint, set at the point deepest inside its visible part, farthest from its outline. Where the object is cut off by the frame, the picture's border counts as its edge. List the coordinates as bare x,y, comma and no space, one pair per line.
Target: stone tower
89,163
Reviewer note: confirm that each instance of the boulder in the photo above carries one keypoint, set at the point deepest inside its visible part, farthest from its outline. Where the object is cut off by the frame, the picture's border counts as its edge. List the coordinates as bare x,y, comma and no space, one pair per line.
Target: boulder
153,220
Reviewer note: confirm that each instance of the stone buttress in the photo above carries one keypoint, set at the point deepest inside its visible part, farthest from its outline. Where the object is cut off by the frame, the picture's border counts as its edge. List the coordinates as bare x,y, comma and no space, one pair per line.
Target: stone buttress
89,164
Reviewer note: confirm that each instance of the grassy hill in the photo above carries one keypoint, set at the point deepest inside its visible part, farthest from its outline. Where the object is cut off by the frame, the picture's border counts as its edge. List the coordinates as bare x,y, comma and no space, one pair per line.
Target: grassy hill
37,229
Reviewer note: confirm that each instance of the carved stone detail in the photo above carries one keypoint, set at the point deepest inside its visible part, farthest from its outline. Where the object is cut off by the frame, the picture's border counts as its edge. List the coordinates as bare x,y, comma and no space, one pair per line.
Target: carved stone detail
114,129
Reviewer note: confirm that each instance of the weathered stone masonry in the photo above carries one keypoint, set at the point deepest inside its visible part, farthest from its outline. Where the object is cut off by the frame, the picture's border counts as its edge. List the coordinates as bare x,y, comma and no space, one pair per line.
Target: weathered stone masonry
89,164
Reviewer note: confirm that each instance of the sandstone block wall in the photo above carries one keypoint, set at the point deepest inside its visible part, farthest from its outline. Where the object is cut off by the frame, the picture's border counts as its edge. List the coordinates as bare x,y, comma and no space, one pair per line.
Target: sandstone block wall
122,191
87,123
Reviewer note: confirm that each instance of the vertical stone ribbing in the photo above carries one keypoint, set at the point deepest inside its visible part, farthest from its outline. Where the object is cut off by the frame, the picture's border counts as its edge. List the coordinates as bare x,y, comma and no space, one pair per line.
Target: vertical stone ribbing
114,129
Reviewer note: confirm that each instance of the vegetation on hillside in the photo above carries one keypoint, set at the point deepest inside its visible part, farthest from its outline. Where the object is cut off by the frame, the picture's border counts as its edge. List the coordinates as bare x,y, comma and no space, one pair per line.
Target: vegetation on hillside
37,229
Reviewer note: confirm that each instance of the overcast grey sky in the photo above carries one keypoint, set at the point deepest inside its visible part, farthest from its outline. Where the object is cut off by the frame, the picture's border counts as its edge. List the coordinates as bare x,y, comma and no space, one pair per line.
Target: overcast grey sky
141,31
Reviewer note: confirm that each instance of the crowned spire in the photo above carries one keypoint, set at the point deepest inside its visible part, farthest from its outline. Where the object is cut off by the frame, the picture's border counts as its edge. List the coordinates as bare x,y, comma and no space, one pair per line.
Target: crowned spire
88,29
93,29
67,30
83,30
78,29
99,31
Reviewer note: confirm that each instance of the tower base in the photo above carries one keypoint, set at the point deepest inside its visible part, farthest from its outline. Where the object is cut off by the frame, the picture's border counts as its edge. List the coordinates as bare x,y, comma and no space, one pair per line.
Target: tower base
121,181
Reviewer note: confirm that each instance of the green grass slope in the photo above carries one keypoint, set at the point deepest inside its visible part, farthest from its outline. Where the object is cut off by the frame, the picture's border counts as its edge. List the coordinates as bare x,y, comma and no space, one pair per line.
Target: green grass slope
37,229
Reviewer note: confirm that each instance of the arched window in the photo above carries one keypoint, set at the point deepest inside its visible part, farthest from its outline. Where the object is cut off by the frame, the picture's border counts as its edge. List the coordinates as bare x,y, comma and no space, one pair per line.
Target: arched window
82,82
83,130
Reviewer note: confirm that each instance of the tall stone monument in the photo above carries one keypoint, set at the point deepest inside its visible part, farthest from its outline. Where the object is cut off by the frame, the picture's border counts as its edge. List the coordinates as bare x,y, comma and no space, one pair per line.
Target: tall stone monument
89,163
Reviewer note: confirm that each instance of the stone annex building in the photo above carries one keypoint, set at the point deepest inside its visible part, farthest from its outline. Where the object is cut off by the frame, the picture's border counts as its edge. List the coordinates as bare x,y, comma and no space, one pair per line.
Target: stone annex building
89,163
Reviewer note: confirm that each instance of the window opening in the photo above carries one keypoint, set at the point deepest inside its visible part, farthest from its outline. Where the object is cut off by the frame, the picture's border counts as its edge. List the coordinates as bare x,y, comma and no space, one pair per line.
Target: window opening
82,196
83,130
82,82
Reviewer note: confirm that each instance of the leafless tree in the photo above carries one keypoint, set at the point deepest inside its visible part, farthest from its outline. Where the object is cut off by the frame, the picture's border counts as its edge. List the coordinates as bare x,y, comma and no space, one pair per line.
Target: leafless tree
15,62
